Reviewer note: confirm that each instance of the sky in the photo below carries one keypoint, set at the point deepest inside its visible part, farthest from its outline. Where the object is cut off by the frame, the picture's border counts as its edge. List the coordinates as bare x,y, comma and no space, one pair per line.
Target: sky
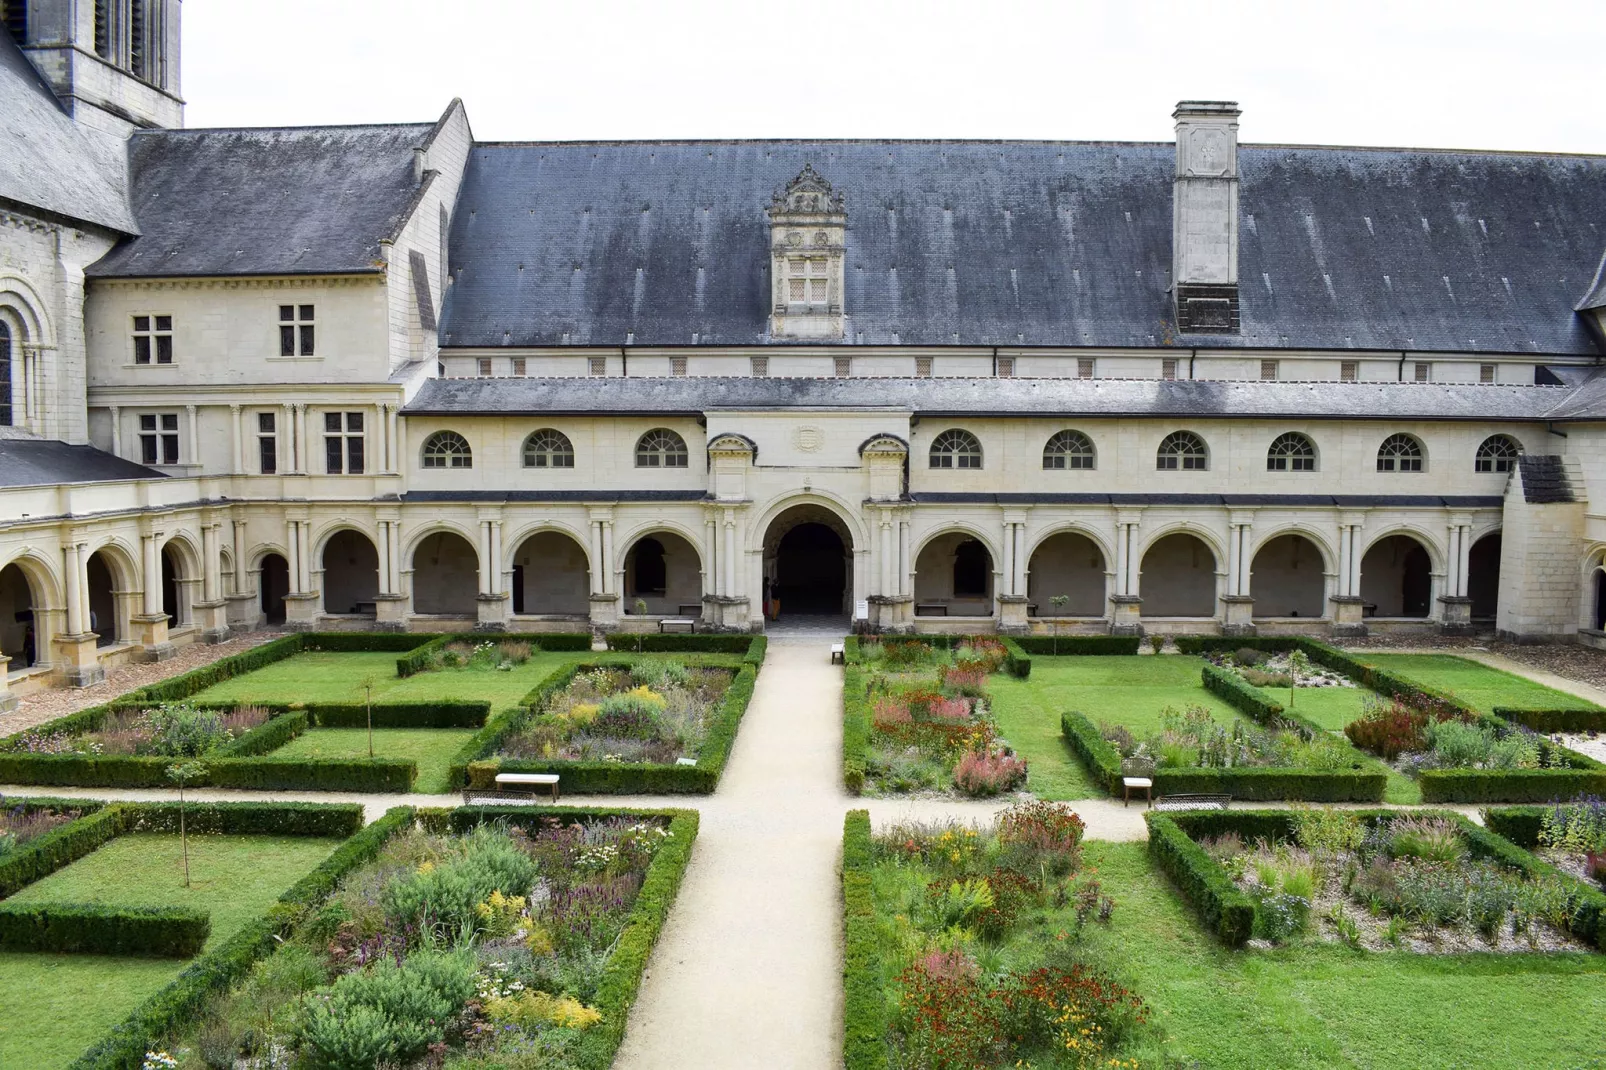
1521,74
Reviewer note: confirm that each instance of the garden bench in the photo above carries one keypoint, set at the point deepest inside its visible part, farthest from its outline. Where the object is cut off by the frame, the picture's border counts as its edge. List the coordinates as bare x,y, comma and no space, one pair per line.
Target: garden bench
1137,774
1192,802
671,623
514,786
838,653
931,609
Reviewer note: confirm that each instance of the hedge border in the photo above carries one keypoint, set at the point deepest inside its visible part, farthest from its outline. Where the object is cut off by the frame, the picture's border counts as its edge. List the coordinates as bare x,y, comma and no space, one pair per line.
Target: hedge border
96,929
1554,720
856,725
44,854
124,1047
1069,646
672,643
864,1004
1201,881
1017,662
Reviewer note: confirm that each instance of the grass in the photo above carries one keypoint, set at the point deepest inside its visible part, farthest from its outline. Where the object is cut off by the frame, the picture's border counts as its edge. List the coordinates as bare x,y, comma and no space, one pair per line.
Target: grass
1330,707
431,748
52,1007
1330,1007
1478,685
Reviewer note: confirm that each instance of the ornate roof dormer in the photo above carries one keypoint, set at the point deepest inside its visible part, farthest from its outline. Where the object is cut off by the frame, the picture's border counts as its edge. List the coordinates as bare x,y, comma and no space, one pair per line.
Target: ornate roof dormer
808,236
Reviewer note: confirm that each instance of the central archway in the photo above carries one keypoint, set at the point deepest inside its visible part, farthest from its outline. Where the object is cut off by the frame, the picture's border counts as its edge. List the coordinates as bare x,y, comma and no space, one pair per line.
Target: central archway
808,563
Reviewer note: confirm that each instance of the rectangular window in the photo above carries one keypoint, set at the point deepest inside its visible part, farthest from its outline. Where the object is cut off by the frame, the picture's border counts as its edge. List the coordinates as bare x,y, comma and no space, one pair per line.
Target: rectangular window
153,339
1424,371
483,366
520,366
761,366
1168,369
1268,369
267,443
923,367
1006,367
1349,371
158,438
1084,367
296,335
598,366
342,443
844,367
677,365
1486,373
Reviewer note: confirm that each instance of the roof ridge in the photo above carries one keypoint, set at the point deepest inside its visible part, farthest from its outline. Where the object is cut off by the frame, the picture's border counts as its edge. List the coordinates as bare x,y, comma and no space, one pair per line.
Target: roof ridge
285,129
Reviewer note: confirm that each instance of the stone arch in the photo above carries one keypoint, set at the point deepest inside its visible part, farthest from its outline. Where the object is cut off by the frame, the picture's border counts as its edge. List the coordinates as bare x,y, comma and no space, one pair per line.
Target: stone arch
846,512
808,560
349,563
663,568
1177,575
1592,606
22,301
551,572
30,597
1397,571
114,588
273,583
1073,562
445,570
955,569
181,576
1288,576
1483,575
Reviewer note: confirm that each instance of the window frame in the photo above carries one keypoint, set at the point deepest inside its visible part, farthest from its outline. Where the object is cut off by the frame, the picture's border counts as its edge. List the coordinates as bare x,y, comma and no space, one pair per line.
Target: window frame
348,443
1498,463
268,443
443,447
153,336
1397,462
955,449
158,438
558,454
8,402
298,334
1286,460
1168,458
1067,459
662,447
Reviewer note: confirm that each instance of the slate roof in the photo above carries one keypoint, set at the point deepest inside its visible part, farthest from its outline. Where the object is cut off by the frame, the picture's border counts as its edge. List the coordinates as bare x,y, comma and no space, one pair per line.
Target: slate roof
1034,243
290,201
49,162
983,397
36,462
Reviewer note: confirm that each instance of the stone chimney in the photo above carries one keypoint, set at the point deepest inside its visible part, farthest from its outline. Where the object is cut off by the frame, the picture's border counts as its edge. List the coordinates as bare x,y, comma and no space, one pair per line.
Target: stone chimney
1204,221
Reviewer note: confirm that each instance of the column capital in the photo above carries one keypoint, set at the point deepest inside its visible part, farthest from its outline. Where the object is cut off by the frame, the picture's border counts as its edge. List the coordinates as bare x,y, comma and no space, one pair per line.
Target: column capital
234,407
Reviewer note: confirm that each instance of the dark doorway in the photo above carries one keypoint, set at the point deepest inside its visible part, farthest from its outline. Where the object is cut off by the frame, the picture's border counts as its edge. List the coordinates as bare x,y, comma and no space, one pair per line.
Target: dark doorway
811,570
17,639
1483,577
273,586
650,573
1417,587
1600,599
102,601
170,602
973,568
518,588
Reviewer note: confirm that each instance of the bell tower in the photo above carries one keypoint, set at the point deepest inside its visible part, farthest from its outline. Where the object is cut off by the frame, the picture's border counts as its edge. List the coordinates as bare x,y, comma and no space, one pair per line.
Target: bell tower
114,64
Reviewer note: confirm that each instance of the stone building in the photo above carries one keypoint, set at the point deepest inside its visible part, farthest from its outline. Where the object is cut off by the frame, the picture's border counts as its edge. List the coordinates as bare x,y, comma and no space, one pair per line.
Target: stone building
394,377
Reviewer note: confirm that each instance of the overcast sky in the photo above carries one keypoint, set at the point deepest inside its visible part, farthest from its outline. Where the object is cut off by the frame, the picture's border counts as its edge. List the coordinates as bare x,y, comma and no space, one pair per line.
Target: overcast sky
1522,74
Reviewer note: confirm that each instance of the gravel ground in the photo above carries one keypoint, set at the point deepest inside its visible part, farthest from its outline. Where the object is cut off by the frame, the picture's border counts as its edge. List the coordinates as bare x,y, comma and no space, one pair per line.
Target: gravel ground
1571,661
45,706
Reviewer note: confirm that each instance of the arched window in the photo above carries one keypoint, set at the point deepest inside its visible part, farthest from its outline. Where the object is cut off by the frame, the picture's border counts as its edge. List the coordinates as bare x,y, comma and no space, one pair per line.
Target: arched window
5,374
956,449
1291,452
1068,449
1498,453
547,448
661,448
447,449
1184,450
1399,453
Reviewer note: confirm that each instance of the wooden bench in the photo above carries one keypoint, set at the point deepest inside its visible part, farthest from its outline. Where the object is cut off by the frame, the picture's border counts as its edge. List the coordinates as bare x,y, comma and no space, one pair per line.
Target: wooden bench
838,653
672,623
1192,802
514,786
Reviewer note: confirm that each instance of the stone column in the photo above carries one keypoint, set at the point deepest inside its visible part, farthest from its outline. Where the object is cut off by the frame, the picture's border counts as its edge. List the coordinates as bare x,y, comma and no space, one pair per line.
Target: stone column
237,439
193,445
8,701
390,604
79,659
301,604
286,434
380,434
1348,610
212,610
1012,608
492,601
1455,606
152,630
242,600
713,581
303,446
1125,605
117,431
1238,608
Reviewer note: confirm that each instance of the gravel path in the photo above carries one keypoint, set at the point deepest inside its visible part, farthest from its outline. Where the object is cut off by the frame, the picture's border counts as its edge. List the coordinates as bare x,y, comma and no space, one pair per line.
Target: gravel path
48,705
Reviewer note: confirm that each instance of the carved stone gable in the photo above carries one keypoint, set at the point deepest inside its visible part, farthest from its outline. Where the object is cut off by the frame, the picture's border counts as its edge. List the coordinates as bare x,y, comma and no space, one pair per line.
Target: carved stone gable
808,240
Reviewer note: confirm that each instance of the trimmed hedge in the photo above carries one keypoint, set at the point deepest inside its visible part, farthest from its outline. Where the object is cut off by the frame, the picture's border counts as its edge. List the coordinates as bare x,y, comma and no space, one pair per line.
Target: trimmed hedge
184,999
435,714
1078,645
1547,721
1100,757
44,854
864,1044
420,658
268,736
179,688
249,818
1519,824
1247,699
265,773
1511,786
856,723
1202,882
93,929
561,642
652,643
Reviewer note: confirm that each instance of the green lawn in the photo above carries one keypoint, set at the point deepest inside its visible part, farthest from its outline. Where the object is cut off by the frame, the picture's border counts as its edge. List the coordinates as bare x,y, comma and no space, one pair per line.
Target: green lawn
1328,1006
52,1007
431,748
1330,707
1478,685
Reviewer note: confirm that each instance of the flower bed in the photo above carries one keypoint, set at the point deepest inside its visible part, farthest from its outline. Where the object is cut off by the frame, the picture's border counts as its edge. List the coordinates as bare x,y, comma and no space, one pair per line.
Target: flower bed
923,721
962,947
477,938
169,730
1381,880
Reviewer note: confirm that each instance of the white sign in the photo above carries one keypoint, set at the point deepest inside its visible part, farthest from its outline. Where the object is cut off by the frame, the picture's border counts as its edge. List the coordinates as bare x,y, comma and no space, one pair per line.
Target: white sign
861,610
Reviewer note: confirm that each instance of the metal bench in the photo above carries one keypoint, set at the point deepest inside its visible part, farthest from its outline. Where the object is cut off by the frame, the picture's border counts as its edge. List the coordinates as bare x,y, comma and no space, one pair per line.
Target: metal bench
1192,802
514,786
838,653
669,624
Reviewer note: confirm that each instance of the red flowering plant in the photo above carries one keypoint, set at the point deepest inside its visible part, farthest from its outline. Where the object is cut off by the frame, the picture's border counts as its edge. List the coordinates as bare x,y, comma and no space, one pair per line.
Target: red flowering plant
1041,832
981,773
967,678
1392,727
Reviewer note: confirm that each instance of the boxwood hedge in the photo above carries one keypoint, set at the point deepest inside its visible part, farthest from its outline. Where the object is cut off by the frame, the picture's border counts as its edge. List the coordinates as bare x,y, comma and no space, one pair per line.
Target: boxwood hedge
95,929
864,1004
1078,645
1547,721
653,643
1207,887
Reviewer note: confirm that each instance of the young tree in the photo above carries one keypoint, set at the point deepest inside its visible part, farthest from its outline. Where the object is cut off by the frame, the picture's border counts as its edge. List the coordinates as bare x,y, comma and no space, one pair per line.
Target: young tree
367,686
182,773
1298,665
1059,602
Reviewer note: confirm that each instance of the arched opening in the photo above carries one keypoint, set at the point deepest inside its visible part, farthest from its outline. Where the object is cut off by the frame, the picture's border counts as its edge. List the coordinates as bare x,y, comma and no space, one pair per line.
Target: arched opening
1287,578
808,563
663,577
954,577
1397,578
350,573
175,588
105,620
19,639
1483,577
1068,565
1600,599
273,586
1178,578
551,576
446,576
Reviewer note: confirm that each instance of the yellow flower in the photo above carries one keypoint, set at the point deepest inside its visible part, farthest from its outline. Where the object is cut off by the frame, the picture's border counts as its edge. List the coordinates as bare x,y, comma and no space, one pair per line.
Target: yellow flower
426,867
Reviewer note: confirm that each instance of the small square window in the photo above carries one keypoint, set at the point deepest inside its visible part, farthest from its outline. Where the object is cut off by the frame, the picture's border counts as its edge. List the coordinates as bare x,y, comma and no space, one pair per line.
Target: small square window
923,367
1424,371
843,367
761,366
1349,371
1006,367
1486,373
153,339
1268,369
1168,369
158,438
597,366
677,365
343,443
296,331
519,366
484,367
1084,367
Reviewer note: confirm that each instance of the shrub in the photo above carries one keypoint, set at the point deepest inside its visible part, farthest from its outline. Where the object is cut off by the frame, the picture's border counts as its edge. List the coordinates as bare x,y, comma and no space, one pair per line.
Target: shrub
863,1012
446,895
1575,828
980,773
1428,839
1043,831
1389,729
387,1013
91,929
1074,645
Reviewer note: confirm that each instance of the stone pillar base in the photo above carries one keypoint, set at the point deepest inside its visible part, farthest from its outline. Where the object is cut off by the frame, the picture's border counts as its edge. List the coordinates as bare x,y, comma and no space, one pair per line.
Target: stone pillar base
726,614
243,612
1238,616
1457,615
152,637
1012,614
604,613
301,612
390,613
893,614
1126,614
492,613
1348,616
8,701
79,661
214,620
